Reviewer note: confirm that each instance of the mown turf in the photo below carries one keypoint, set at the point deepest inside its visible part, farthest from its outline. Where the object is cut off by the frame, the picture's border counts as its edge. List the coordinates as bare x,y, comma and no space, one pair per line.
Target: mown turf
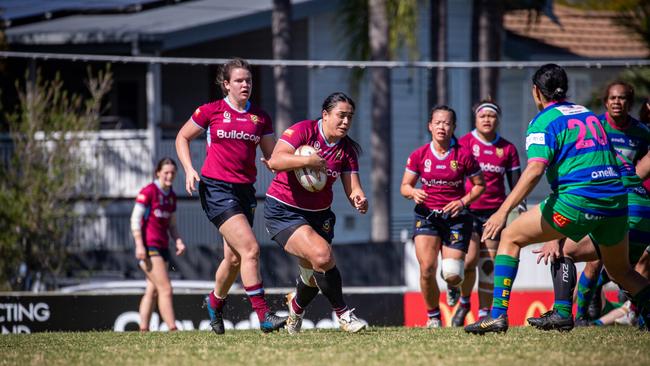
377,346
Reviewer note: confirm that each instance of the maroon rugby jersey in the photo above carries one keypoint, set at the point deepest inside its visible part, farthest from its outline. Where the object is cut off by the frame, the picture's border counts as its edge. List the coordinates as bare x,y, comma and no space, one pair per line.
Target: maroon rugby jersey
495,158
442,177
232,139
340,157
159,206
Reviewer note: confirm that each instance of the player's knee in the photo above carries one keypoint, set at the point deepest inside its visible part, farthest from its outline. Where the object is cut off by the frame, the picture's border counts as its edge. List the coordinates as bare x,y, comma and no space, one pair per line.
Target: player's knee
485,270
251,252
322,259
164,289
453,271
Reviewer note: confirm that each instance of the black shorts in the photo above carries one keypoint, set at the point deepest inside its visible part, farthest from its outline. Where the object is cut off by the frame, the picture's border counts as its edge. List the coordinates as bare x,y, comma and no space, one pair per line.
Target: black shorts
455,232
155,251
222,200
282,220
480,218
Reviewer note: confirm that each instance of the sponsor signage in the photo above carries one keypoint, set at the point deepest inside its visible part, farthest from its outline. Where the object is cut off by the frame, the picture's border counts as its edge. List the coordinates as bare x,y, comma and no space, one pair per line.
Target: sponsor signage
523,305
40,313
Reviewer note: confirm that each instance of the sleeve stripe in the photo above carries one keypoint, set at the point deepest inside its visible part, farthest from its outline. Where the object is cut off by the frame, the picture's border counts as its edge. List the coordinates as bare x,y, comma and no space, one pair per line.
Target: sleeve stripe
514,168
288,143
197,125
475,174
545,161
411,171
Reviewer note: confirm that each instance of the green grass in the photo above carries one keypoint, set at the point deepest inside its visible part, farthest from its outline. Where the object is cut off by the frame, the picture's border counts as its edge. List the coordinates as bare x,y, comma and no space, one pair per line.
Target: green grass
377,346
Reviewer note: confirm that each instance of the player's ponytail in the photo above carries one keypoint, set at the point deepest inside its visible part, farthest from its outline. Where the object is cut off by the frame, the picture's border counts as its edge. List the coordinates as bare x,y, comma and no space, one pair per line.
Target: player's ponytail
552,82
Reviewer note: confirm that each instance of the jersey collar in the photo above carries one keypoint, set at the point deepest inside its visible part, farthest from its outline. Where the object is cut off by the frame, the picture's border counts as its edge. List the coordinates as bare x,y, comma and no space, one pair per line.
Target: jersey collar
486,143
248,105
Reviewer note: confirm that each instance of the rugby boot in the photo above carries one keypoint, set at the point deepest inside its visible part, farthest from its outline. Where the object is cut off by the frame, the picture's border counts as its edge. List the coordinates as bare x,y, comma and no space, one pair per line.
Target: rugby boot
582,322
216,316
434,323
551,320
489,325
453,294
272,322
595,307
458,320
294,321
350,323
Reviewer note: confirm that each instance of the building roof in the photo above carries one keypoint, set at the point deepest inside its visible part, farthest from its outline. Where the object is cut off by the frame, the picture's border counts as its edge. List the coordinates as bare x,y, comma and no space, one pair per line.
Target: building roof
591,34
172,26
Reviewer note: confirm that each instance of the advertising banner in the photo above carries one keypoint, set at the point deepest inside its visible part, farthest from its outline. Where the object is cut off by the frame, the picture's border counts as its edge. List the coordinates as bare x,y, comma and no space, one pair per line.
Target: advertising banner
27,314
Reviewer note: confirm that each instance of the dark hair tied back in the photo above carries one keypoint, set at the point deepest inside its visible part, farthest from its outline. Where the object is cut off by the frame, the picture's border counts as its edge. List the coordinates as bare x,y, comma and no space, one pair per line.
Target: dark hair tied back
552,81
223,74
330,102
162,162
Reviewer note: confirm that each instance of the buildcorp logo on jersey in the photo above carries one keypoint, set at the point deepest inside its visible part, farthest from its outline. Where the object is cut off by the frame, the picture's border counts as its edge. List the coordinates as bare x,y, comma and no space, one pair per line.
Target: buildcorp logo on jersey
238,135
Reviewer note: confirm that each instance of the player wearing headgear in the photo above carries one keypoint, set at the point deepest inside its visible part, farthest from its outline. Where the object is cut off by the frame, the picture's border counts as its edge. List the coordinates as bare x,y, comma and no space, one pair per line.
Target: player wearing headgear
499,162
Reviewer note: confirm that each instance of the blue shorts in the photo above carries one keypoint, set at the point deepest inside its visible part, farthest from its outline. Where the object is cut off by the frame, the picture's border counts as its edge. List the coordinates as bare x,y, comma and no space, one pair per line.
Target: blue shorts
479,218
455,232
222,200
282,220
155,251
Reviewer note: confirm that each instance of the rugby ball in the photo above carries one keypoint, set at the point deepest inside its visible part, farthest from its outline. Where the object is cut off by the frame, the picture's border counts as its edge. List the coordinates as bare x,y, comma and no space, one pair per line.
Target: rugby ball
310,179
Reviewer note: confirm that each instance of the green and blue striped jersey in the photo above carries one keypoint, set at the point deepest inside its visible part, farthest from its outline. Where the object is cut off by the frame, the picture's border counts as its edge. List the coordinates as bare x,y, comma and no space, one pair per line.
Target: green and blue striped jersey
581,164
631,142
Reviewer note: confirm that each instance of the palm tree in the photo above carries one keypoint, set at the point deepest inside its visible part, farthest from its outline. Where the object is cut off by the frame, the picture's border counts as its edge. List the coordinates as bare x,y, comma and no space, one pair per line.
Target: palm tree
377,29
281,28
488,34
439,51
381,112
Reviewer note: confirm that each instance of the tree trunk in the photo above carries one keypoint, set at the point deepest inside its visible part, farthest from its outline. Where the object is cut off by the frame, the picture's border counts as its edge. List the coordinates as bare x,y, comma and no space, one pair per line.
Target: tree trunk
381,117
489,24
439,51
281,28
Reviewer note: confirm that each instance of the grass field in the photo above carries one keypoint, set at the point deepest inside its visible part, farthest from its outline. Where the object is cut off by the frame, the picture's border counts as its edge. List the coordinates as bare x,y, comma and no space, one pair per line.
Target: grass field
377,346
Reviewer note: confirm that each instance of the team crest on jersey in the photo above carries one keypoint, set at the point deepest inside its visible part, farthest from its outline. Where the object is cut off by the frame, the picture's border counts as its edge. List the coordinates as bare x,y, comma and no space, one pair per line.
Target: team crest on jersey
338,155
327,225
560,220
453,165
254,119
316,145
418,224
226,117
455,236
499,152
476,150
427,166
